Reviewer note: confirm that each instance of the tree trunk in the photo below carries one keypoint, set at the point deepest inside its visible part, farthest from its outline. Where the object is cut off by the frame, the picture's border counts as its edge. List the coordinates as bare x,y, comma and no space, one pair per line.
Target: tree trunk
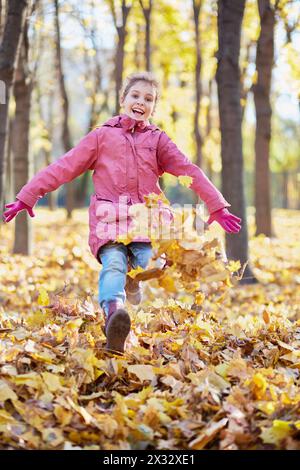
119,67
138,54
52,196
1,19
208,126
147,15
121,30
8,55
197,4
285,190
230,16
66,136
3,10
9,189
261,91
20,145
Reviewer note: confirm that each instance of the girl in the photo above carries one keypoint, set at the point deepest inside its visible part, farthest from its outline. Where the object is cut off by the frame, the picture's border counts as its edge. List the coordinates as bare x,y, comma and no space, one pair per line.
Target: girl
127,155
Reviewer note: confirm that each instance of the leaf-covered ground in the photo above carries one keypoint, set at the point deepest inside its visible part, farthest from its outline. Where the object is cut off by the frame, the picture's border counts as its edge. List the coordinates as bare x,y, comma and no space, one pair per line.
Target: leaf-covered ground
207,366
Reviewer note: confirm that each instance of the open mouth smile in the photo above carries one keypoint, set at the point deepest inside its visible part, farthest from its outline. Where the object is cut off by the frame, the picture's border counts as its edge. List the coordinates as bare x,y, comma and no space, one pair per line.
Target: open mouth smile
138,112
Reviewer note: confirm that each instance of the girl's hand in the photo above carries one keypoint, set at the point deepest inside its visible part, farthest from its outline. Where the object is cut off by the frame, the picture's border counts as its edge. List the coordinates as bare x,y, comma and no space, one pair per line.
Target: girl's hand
14,208
229,222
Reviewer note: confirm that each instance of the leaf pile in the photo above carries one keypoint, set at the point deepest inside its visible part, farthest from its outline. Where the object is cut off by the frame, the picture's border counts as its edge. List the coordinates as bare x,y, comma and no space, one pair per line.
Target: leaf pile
208,365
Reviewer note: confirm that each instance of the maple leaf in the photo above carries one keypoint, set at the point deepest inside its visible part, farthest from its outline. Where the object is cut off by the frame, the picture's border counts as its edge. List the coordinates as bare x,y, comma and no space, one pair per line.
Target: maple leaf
185,180
134,272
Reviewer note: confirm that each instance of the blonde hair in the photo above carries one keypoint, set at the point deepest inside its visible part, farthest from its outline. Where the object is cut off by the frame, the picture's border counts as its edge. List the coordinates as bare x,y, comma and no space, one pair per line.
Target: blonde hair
147,77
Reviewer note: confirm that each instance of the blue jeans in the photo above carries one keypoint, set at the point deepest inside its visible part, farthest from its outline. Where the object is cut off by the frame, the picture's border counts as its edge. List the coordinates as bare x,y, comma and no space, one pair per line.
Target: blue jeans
114,259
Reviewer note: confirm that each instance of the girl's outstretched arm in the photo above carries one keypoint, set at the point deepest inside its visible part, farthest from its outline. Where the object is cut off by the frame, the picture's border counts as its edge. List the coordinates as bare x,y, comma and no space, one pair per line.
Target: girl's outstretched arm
172,160
65,169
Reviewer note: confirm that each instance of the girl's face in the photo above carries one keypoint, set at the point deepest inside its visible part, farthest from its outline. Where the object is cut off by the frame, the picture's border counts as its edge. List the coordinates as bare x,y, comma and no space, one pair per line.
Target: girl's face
139,101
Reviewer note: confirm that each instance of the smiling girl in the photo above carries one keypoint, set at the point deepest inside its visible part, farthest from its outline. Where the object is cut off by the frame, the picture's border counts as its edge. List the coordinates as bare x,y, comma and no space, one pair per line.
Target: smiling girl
127,155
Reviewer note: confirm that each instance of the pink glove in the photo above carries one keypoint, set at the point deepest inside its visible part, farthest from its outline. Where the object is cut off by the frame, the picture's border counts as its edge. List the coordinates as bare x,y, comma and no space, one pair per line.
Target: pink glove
16,207
229,222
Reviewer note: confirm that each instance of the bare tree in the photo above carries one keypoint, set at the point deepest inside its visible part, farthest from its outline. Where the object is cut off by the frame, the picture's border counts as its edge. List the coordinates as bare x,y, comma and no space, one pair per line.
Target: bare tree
230,16
120,25
261,92
8,55
66,135
147,10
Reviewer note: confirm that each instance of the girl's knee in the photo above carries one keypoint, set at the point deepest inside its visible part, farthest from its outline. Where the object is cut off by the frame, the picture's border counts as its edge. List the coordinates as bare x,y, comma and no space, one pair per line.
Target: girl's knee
116,264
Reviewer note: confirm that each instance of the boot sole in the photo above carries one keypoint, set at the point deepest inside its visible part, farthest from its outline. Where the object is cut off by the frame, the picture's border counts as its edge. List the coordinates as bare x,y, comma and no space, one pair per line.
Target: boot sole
117,331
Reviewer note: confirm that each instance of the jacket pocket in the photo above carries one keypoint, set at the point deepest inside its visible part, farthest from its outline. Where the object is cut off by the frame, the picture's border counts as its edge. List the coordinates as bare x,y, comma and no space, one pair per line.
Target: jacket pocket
148,156
109,211
99,198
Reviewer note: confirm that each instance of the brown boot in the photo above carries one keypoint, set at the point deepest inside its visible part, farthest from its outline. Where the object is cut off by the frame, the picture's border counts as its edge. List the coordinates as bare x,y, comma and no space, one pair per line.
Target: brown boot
117,327
133,292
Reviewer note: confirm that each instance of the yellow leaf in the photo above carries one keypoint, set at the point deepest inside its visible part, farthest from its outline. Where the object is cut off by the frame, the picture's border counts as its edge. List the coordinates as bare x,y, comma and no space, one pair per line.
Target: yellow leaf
6,418
74,324
152,199
63,416
37,319
59,335
222,369
168,283
199,298
43,357
259,385
6,393
88,418
185,180
52,381
43,298
208,434
143,372
234,266
204,327
266,316
124,238
279,431
32,379
133,272
267,407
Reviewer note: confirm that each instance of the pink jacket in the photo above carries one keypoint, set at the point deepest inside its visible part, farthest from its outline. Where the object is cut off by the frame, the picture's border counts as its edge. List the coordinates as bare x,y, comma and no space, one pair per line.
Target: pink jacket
126,162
